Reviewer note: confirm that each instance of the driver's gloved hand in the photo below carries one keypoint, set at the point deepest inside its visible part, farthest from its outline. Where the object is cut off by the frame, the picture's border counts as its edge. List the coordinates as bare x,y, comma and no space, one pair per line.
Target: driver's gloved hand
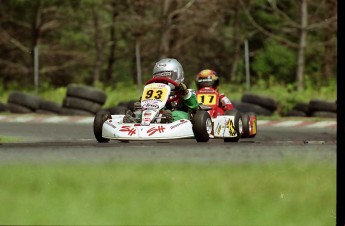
183,88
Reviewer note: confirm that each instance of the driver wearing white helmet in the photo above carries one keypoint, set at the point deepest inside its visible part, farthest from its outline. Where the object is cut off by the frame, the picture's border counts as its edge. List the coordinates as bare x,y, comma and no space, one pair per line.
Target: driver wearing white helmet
186,102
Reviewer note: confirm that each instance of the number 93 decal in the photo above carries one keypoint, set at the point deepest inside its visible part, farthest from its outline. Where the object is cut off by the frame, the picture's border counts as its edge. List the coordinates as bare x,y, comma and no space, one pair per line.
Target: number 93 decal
154,94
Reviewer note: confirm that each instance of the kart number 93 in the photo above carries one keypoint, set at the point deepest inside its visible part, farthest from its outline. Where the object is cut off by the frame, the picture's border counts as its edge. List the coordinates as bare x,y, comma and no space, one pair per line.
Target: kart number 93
154,94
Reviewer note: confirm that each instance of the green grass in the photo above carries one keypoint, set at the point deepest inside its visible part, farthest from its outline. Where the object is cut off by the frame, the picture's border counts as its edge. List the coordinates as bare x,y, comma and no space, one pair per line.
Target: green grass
6,139
284,193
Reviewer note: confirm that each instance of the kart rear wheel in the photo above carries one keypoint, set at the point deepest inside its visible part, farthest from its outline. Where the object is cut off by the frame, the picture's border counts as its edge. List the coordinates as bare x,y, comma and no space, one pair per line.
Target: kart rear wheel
247,128
100,118
254,124
238,125
202,126
246,125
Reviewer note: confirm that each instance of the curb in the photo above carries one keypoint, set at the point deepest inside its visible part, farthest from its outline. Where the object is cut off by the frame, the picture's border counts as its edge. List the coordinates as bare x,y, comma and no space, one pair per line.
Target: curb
19,118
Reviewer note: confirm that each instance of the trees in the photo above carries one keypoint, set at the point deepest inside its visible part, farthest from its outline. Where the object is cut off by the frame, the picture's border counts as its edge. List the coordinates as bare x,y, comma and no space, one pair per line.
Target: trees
95,41
277,16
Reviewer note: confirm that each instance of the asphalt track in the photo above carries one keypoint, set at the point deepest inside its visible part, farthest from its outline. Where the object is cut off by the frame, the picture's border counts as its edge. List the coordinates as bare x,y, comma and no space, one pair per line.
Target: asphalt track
42,143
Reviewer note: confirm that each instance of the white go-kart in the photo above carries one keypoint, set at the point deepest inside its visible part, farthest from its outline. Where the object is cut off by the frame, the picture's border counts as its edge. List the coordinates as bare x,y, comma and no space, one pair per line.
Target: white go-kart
149,126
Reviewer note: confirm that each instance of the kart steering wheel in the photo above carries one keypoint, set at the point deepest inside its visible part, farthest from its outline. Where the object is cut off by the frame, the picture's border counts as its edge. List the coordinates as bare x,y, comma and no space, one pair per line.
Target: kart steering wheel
166,80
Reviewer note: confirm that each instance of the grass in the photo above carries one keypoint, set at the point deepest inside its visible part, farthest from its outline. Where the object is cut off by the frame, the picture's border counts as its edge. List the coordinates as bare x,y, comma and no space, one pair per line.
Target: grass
6,139
284,193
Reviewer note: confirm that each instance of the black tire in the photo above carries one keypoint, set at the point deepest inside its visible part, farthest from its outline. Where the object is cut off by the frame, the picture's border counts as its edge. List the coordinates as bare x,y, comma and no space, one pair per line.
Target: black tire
122,104
320,105
45,112
23,99
87,93
98,122
324,114
72,112
117,110
246,126
248,107
3,107
262,101
50,106
81,104
15,108
296,113
235,103
303,107
238,124
130,105
201,121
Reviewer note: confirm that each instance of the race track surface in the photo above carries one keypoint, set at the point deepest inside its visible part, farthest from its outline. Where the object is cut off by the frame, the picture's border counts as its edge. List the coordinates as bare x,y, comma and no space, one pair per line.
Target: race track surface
43,142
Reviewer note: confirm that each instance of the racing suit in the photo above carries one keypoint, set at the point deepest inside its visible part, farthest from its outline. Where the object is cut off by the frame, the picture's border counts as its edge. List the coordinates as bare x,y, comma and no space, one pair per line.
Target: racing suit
185,103
225,103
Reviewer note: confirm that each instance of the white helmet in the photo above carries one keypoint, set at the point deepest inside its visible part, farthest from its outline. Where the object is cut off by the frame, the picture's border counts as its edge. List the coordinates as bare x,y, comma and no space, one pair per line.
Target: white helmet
170,68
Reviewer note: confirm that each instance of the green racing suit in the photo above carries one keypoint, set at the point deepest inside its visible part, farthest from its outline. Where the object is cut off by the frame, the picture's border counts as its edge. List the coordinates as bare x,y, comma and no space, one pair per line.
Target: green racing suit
185,103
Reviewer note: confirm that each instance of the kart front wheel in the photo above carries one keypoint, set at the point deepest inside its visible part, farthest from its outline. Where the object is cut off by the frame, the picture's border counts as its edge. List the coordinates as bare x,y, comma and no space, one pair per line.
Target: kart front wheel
202,126
100,118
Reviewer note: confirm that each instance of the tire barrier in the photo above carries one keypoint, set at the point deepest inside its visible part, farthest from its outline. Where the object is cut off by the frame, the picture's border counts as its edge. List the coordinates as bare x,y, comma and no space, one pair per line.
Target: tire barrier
86,92
117,110
19,109
320,105
3,107
79,100
244,107
22,102
81,104
259,104
82,100
49,107
87,101
263,101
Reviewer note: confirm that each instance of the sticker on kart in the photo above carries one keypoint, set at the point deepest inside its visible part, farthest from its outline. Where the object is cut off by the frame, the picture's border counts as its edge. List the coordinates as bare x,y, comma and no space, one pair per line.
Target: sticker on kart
155,91
207,99
225,127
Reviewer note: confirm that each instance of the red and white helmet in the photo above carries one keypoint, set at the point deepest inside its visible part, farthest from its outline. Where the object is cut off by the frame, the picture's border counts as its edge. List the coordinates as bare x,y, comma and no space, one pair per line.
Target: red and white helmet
207,78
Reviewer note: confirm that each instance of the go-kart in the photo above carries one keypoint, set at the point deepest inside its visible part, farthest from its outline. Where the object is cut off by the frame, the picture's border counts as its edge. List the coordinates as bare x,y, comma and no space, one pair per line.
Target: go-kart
149,125
210,97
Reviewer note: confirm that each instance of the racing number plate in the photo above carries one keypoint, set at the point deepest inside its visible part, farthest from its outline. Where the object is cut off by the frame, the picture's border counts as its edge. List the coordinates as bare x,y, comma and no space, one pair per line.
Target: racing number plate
207,99
155,92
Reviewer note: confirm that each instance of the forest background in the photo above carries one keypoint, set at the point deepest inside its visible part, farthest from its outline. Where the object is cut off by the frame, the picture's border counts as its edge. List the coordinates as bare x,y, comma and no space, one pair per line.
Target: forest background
107,43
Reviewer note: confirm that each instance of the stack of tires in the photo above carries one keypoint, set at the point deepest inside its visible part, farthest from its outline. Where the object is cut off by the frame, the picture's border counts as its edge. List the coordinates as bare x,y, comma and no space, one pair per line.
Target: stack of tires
315,108
122,107
82,100
321,108
300,109
261,105
49,107
3,107
19,102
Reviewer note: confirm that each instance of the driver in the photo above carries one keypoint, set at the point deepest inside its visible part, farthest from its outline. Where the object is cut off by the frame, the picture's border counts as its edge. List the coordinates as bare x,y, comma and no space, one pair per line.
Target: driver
186,100
209,78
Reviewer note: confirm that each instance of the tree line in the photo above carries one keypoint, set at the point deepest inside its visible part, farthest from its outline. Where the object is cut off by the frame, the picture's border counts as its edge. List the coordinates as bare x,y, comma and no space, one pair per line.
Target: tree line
113,41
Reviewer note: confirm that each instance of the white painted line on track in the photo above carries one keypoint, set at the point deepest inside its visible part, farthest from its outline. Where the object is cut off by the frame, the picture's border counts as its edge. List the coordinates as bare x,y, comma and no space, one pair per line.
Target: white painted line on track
288,123
86,120
322,124
56,119
262,122
23,119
